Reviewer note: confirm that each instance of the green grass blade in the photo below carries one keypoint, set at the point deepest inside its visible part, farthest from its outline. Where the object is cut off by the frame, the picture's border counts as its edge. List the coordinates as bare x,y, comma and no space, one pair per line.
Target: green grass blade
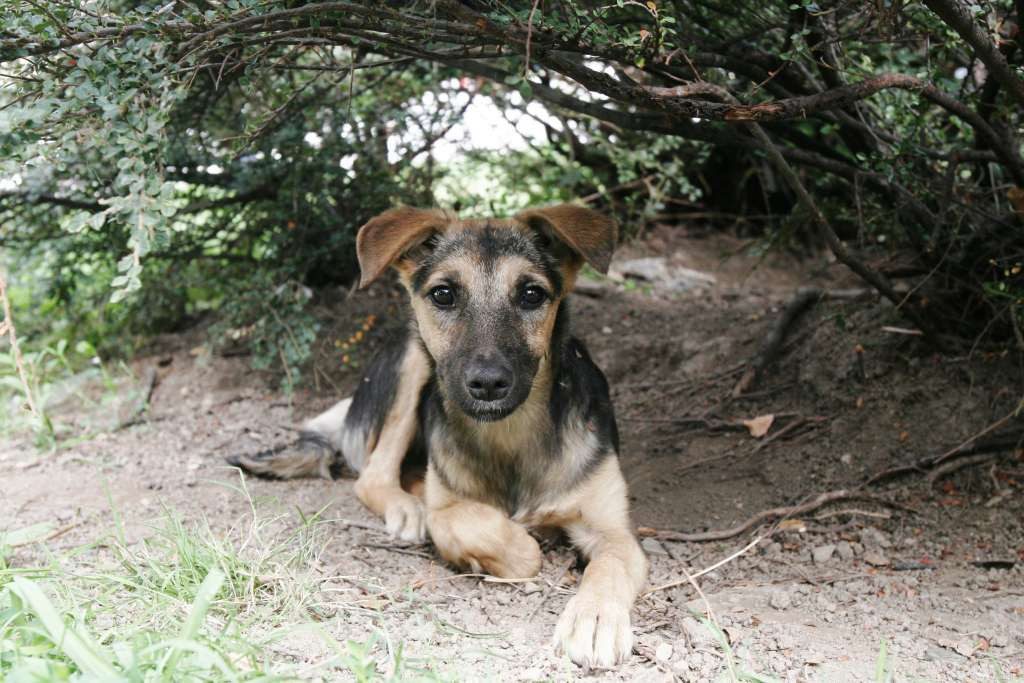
208,590
881,664
76,644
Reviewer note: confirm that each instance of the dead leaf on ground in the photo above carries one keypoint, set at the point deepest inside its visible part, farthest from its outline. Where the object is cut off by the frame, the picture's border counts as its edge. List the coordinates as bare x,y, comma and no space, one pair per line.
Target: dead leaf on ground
759,426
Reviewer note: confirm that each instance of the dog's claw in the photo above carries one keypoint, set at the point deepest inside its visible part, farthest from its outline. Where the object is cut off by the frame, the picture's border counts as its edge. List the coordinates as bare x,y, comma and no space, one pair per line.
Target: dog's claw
594,632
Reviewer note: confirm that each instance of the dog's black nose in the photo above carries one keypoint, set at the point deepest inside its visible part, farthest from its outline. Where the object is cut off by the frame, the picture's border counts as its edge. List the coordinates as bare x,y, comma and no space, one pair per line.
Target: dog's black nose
488,382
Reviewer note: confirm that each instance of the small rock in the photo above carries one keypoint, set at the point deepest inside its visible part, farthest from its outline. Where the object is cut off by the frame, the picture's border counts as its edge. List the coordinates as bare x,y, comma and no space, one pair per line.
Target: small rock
780,600
663,652
846,458
940,654
875,558
873,538
653,546
606,330
823,553
773,548
785,641
698,634
999,640
965,647
529,588
844,550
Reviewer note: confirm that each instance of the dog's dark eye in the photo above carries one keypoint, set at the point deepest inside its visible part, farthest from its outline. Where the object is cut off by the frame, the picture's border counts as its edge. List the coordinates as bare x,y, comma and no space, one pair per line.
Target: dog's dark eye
443,296
532,297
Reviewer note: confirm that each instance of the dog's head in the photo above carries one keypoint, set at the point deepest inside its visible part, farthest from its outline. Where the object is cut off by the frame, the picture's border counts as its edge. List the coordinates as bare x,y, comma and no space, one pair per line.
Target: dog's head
486,293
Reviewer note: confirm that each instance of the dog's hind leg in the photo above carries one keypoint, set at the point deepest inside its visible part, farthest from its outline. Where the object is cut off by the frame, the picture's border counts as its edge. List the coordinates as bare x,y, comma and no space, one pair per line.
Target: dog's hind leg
315,454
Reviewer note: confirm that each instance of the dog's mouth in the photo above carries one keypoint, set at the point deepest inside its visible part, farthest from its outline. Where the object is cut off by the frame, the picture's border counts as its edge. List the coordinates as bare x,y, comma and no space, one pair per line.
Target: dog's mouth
488,411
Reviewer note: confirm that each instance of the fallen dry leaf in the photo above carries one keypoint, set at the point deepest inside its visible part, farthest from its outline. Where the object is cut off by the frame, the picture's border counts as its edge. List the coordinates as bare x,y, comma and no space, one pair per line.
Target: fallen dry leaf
759,426
1016,197
797,525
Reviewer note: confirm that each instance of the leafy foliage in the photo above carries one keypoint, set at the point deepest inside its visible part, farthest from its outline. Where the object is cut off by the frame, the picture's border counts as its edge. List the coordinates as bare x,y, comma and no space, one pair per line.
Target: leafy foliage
162,161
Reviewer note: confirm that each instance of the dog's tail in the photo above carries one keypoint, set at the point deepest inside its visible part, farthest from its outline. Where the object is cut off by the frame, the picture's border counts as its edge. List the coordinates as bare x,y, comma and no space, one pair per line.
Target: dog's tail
320,451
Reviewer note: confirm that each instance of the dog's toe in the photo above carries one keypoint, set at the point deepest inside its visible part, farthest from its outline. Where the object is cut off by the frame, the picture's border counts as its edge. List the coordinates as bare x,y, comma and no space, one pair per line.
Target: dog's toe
595,632
406,519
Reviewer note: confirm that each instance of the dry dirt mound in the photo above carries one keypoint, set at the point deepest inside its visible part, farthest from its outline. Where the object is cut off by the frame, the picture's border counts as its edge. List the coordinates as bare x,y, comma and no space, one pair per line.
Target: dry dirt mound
935,580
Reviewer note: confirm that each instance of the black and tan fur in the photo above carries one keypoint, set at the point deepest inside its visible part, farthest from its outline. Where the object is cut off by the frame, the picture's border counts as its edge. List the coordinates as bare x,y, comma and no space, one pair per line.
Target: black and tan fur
490,389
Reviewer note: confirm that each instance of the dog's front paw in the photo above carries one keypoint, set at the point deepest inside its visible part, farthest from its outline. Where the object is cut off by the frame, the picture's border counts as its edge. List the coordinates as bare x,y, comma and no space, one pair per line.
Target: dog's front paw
405,518
594,632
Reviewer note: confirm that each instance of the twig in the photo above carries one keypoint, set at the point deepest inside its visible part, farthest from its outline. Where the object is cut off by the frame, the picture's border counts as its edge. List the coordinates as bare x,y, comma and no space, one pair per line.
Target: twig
959,464
7,327
800,302
995,425
773,513
397,549
706,570
789,429
551,587
923,465
142,404
854,511
839,250
710,425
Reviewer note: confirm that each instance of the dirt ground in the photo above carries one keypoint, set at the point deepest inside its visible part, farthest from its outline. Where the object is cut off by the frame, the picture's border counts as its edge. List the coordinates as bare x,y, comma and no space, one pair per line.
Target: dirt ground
935,582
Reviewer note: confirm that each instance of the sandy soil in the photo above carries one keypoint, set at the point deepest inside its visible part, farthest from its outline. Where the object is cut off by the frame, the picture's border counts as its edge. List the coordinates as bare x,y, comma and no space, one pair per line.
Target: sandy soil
939,579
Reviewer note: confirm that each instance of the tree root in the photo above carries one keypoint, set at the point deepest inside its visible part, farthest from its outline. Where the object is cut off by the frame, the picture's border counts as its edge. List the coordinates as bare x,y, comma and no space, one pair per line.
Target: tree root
779,513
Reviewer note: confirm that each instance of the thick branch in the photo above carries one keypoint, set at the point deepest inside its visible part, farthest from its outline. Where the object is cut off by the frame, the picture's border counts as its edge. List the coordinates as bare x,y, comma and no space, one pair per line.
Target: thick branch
957,16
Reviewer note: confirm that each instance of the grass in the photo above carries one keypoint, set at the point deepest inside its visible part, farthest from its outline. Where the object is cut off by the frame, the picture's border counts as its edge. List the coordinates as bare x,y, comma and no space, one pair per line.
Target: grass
190,603
58,377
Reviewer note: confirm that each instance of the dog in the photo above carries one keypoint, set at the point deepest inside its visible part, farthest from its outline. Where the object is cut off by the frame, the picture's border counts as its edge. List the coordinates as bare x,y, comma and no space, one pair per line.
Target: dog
509,414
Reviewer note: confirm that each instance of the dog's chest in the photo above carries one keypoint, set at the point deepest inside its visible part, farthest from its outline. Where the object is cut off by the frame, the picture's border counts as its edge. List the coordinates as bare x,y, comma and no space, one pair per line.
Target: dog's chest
520,468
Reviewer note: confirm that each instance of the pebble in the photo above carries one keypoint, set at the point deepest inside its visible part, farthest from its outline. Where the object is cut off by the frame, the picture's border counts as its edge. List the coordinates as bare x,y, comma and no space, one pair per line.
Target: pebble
940,654
875,558
663,652
873,538
780,600
844,550
653,546
823,553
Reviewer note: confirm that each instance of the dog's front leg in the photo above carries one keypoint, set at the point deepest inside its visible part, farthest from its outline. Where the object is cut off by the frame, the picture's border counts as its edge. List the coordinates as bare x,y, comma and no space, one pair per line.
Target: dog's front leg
594,629
477,536
379,485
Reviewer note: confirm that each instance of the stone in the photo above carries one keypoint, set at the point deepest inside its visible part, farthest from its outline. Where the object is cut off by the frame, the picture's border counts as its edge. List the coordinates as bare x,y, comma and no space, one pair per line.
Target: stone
653,546
823,553
663,652
873,538
875,558
940,654
844,550
780,600
698,634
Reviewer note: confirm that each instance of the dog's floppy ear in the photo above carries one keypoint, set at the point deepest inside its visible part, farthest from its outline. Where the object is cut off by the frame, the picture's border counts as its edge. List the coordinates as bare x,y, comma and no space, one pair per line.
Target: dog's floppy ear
589,234
386,237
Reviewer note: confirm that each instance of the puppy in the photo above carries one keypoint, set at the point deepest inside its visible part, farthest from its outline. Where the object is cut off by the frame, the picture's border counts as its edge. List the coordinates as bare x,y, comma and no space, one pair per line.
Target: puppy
508,411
